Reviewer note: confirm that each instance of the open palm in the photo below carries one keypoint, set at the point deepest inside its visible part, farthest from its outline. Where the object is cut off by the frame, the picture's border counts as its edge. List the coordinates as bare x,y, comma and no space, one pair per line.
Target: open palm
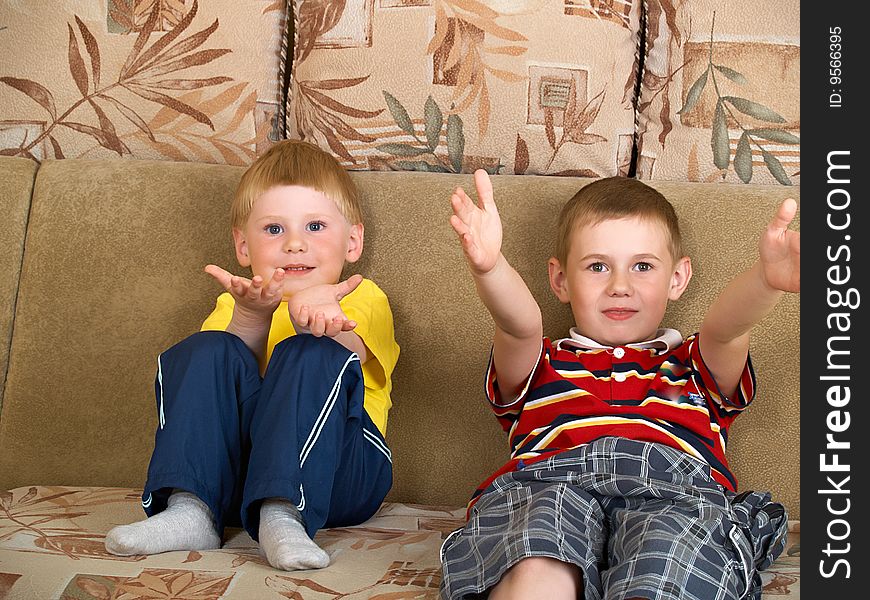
256,296
478,225
780,250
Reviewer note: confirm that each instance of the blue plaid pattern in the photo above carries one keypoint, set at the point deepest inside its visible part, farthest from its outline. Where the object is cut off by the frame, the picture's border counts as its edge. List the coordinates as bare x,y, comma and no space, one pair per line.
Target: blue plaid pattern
639,519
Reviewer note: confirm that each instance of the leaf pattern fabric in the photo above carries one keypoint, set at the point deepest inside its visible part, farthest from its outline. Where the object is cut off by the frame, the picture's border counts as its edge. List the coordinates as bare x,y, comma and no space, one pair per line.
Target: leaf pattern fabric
166,79
720,92
51,542
450,86
553,87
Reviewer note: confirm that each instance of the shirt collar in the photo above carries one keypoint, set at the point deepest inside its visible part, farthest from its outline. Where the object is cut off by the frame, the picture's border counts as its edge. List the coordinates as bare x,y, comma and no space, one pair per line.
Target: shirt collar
666,339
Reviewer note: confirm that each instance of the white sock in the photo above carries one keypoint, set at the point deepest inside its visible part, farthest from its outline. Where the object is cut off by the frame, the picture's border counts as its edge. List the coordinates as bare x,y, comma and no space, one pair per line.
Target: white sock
283,538
186,524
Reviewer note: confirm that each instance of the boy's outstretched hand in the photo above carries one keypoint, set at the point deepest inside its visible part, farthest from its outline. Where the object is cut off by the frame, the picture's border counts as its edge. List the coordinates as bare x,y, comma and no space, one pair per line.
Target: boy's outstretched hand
779,250
255,296
478,226
316,310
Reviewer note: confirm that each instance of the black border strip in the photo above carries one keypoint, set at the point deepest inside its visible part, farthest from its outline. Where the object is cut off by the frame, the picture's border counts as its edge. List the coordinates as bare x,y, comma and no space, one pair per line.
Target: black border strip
834,505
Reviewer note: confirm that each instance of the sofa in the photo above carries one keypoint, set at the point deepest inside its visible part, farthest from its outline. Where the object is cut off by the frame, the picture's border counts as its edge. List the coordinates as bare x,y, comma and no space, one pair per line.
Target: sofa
104,269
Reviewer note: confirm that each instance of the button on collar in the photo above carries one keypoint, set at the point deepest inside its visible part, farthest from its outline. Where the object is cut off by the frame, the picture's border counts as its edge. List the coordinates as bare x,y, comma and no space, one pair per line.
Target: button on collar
619,352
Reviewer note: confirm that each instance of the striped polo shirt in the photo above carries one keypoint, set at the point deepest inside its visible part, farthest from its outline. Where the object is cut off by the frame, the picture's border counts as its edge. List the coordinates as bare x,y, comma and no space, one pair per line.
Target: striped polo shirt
657,391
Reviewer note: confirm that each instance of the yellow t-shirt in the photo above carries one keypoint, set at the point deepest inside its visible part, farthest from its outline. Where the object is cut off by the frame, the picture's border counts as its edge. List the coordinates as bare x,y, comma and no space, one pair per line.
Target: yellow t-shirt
369,307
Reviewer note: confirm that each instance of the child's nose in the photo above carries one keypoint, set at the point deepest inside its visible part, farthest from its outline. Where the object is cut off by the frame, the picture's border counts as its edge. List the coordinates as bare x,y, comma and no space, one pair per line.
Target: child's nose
618,284
294,243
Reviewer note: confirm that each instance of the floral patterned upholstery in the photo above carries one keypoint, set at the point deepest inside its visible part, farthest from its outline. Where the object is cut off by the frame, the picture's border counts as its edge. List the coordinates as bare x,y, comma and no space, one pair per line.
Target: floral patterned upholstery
51,546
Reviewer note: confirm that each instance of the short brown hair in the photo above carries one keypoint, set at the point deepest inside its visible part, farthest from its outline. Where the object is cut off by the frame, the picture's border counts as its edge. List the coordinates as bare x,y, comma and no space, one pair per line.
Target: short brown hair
295,162
616,198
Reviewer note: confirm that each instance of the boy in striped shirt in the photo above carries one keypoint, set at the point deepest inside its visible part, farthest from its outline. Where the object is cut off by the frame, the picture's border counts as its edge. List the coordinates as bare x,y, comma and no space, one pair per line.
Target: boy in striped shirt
617,485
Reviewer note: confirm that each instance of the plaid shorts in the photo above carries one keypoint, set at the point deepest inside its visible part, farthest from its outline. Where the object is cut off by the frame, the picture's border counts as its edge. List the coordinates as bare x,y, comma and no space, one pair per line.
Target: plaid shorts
639,519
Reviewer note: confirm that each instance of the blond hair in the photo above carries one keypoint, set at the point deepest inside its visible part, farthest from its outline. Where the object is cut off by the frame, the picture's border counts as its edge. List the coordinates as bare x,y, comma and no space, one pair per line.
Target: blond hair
295,162
616,198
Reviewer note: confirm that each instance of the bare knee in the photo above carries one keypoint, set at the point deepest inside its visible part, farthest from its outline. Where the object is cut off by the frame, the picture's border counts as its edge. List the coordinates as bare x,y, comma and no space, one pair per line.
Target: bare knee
539,577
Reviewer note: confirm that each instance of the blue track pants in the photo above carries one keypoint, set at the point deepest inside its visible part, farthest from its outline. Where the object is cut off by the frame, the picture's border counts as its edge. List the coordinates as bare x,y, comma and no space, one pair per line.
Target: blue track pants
233,438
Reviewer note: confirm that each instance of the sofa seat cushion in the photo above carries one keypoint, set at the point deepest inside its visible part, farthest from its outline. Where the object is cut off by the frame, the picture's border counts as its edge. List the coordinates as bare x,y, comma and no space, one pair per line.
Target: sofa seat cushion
51,546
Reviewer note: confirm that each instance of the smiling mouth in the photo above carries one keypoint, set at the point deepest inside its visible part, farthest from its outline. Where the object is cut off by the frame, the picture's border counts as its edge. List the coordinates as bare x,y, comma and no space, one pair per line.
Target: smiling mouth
297,269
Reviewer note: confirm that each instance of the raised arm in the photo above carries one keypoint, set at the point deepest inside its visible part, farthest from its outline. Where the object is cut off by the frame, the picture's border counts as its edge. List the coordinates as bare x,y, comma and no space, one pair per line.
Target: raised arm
517,317
724,334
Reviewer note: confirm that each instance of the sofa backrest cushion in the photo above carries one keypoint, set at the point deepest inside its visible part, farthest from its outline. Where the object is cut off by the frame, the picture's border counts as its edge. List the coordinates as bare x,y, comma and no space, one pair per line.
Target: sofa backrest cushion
113,275
16,185
444,437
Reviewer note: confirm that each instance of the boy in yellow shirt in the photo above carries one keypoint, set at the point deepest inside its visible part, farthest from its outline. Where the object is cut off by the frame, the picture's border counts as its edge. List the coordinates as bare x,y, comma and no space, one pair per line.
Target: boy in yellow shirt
274,415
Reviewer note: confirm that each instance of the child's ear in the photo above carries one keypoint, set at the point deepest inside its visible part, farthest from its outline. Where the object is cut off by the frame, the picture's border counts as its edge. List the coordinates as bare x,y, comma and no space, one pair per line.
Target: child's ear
680,278
241,248
558,281
355,243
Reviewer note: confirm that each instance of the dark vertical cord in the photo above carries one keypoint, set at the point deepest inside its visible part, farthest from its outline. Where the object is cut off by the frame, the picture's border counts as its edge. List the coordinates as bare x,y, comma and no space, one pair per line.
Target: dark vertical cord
641,50
285,73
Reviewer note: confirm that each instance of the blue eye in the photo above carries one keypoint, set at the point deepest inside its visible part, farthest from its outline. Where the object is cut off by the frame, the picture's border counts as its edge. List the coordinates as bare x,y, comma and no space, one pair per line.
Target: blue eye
274,229
315,226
